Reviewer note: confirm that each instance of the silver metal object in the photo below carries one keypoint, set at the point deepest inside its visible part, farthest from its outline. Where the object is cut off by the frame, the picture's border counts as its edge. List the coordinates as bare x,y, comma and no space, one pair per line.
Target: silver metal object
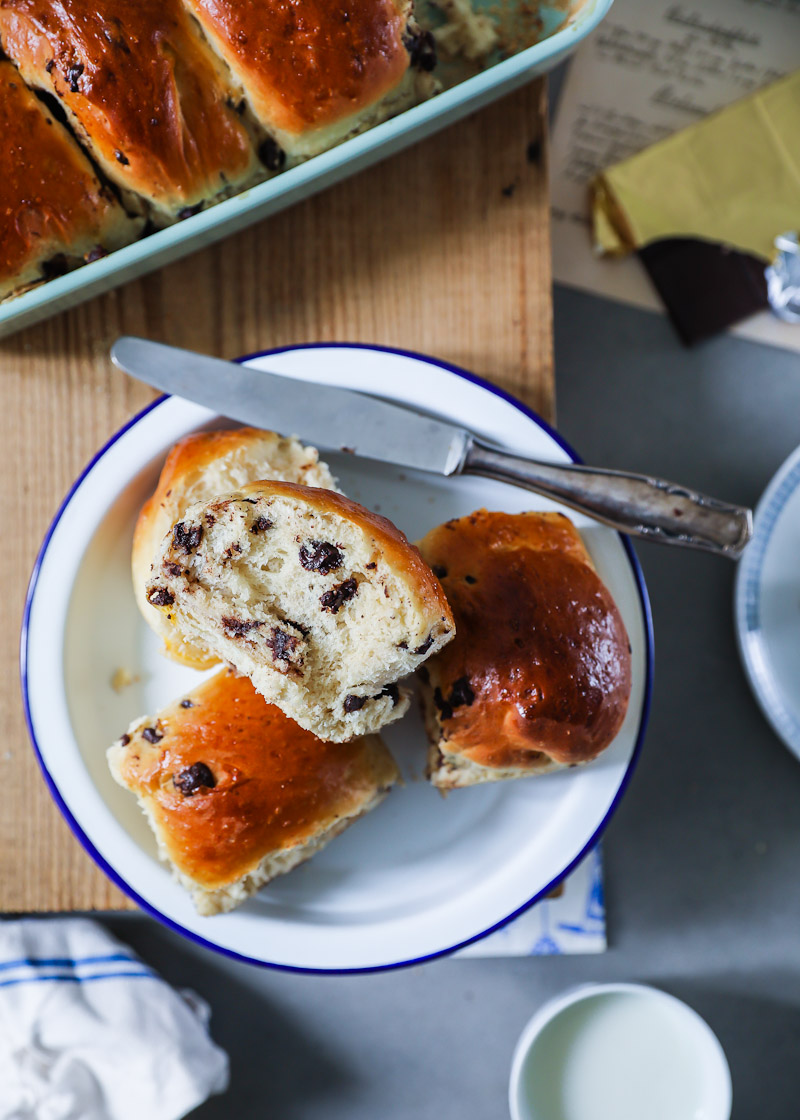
339,418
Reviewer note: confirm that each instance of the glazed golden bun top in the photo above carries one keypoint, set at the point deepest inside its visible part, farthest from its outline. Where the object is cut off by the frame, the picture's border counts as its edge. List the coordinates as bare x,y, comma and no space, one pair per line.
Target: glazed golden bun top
47,186
540,664
229,779
306,65
143,89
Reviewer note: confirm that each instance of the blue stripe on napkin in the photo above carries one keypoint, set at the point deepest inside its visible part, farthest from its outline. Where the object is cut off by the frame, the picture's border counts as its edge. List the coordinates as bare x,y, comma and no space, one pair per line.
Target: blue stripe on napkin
71,978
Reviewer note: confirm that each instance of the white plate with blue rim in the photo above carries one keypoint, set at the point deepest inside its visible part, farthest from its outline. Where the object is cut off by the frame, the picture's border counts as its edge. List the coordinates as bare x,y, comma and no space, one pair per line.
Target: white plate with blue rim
420,876
767,604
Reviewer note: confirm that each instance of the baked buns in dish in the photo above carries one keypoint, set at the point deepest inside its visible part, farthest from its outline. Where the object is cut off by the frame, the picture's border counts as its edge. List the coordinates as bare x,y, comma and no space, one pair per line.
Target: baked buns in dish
236,793
322,604
54,213
539,674
198,468
320,71
143,91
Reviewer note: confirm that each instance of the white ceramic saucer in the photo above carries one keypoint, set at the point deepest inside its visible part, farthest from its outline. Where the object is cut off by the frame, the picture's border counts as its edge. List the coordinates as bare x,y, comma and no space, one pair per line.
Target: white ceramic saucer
767,604
420,876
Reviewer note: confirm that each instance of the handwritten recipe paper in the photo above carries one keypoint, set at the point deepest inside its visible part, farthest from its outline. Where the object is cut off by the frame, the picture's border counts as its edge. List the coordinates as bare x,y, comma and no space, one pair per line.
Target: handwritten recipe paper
650,69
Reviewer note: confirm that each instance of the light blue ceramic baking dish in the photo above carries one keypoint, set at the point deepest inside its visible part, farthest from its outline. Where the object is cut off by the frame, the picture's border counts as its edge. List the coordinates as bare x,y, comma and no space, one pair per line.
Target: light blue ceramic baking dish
563,26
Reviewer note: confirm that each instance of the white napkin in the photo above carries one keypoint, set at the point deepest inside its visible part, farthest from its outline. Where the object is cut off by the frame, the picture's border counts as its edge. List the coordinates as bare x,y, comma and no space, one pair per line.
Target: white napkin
89,1032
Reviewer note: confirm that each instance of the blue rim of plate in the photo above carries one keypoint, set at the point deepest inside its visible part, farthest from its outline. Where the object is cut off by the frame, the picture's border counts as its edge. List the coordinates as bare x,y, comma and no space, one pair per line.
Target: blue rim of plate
124,886
747,602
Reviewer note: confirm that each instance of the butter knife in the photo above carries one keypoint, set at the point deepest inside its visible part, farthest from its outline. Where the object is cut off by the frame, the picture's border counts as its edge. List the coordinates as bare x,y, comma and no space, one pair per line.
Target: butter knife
330,417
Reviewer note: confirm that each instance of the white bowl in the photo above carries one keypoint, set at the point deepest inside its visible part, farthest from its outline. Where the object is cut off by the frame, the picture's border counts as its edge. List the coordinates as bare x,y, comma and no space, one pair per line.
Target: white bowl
619,1052
421,875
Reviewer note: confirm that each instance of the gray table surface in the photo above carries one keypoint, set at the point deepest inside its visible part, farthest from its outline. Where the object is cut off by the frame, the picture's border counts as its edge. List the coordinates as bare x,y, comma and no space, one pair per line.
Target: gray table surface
701,858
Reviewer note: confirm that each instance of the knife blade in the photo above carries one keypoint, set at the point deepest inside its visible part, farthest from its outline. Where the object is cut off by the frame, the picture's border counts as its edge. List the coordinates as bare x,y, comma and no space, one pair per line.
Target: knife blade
320,414
330,417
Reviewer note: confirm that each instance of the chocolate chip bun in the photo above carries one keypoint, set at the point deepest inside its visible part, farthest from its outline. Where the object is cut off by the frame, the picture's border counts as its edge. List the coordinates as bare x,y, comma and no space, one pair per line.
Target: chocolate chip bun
324,605
237,794
152,103
200,467
54,212
317,73
538,676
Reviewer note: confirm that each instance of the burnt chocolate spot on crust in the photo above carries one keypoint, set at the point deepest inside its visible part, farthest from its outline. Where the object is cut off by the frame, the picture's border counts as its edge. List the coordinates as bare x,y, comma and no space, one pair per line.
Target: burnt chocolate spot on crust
439,571
260,525
189,211
152,735
445,709
96,253
282,644
73,76
160,597
461,693
320,556
238,627
334,599
49,65
194,777
354,703
125,739
272,155
470,579
119,156
421,47
187,703
371,566
187,538
426,645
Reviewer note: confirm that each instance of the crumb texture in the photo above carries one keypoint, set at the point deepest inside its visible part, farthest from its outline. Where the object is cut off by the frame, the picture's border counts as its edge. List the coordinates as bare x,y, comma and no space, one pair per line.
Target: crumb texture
322,604
198,468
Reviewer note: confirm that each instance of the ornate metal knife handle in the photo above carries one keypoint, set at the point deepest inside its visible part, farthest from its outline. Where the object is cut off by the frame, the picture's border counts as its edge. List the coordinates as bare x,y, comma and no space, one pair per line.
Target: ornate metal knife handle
633,503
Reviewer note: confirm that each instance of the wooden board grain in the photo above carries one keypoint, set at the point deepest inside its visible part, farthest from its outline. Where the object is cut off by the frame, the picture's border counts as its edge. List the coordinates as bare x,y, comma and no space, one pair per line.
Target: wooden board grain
443,249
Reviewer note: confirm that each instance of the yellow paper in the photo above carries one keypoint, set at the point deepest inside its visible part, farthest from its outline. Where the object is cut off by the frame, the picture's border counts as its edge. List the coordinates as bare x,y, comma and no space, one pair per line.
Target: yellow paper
733,179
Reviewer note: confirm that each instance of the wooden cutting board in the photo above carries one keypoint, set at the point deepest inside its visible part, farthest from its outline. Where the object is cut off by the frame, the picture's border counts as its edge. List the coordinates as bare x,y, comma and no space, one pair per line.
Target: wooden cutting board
444,249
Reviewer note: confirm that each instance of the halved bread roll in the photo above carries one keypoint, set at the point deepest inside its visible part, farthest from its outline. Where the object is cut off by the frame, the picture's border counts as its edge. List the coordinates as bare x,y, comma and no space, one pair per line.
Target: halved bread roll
54,212
324,605
198,468
317,73
237,794
539,674
143,91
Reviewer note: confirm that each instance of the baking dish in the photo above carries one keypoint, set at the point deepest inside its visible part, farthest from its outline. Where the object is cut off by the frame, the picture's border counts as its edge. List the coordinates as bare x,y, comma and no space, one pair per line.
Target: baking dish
558,28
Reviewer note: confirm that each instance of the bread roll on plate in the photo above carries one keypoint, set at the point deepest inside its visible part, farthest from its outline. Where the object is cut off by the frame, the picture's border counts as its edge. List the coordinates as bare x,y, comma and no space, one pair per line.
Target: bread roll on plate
317,72
198,468
237,794
324,605
145,93
538,676
54,212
